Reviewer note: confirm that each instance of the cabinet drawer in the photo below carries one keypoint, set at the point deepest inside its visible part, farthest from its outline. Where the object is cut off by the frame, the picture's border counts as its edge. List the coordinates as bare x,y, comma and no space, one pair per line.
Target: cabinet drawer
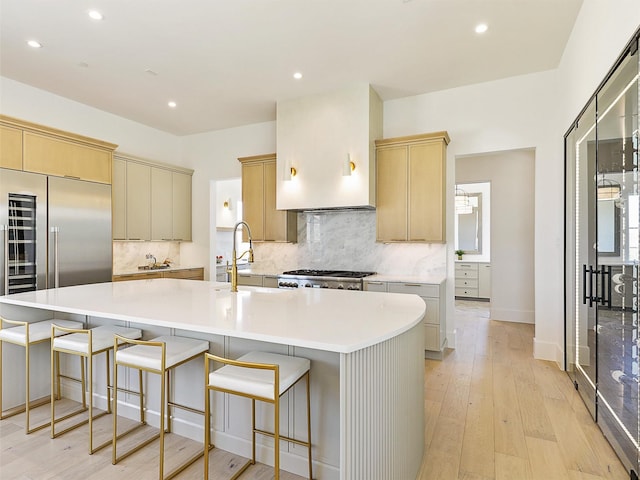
466,292
250,280
136,276
467,282
421,289
270,281
375,286
467,273
432,337
187,274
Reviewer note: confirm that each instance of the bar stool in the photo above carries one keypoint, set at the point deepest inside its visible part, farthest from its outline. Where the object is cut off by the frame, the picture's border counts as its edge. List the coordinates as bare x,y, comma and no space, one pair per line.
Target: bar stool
85,343
259,376
26,334
158,355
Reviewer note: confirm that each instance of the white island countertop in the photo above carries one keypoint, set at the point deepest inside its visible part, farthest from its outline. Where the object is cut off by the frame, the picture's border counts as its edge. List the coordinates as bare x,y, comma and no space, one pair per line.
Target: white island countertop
324,319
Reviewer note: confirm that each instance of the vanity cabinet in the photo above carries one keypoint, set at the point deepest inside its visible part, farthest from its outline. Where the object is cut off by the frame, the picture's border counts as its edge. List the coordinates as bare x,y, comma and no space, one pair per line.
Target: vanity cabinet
410,188
473,280
39,149
434,298
259,202
151,201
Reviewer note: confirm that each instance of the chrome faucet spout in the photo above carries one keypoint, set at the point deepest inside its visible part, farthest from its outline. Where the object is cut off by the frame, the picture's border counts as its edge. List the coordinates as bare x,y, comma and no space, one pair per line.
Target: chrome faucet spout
234,258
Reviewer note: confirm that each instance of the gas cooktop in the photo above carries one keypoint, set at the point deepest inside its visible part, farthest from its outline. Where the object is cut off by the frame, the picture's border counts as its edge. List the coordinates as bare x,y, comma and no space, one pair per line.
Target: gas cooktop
328,273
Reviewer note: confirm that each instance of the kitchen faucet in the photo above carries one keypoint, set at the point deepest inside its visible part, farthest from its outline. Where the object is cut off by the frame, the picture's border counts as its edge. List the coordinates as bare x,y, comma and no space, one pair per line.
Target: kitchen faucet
234,266
149,256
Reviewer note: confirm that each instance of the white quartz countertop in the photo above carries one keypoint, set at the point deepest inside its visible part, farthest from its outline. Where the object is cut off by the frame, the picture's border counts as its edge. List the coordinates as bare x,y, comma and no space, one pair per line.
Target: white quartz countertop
324,319
168,269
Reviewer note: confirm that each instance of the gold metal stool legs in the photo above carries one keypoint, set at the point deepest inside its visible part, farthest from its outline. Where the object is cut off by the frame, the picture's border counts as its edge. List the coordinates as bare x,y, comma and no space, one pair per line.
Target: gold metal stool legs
137,357
267,369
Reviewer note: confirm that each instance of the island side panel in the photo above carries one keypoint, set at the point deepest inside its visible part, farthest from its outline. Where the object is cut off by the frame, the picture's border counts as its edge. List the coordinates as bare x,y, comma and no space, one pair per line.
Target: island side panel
382,409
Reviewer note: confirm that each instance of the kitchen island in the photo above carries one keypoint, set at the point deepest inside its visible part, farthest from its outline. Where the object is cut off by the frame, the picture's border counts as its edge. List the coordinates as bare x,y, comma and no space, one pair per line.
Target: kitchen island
366,352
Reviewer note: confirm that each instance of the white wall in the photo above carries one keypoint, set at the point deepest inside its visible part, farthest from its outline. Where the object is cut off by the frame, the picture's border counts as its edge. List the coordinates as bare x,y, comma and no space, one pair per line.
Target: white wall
214,156
529,111
512,228
38,106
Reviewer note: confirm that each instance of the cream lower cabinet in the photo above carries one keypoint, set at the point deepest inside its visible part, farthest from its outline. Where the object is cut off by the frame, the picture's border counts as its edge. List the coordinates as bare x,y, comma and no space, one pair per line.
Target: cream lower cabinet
434,298
151,201
254,280
473,280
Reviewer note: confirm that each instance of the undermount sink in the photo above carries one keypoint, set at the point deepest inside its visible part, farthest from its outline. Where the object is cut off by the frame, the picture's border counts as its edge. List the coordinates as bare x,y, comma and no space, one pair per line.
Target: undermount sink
157,266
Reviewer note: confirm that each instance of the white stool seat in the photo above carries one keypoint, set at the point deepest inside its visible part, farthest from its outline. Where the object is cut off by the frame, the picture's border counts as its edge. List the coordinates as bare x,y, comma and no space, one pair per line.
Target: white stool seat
178,349
38,331
101,338
259,382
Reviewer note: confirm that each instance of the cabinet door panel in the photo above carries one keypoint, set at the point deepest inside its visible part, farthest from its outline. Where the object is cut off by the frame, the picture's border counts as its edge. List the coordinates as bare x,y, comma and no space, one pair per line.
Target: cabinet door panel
161,204
391,203
275,221
10,148
62,158
253,200
426,193
119,199
138,201
181,206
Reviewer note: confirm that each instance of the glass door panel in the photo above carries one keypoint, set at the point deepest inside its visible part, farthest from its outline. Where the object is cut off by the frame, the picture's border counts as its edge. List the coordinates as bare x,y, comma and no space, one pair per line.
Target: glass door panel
581,145
618,203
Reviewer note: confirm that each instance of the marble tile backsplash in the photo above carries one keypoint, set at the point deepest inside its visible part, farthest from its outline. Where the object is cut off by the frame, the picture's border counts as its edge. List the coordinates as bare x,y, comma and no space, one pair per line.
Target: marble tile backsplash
128,256
346,240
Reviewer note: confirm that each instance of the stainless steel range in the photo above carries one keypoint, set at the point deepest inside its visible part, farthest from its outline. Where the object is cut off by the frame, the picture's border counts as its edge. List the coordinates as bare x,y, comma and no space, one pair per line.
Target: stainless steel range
339,279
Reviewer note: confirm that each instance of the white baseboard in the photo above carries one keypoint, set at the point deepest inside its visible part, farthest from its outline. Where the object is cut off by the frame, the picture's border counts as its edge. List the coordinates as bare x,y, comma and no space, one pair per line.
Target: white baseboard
517,316
547,351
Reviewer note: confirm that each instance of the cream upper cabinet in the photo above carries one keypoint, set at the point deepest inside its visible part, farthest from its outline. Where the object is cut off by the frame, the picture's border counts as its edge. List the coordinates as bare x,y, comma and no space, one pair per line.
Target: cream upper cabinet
10,148
138,201
119,199
161,204
151,201
181,183
411,182
36,148
259,202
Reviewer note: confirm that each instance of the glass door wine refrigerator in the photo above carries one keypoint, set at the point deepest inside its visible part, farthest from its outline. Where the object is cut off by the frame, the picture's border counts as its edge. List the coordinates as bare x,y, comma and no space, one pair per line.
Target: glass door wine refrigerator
602,225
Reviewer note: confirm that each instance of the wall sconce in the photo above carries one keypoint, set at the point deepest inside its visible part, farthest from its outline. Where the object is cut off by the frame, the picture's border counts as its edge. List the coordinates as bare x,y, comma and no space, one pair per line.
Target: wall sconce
227,204
290,173
348,167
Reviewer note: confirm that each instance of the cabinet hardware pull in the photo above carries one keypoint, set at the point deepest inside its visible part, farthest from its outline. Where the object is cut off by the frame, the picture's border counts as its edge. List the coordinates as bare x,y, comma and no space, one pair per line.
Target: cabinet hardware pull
412,285
73,177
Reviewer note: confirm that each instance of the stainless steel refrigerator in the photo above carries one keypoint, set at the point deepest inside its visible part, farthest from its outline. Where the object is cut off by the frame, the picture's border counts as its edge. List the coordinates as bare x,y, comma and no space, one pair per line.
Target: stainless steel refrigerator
56,232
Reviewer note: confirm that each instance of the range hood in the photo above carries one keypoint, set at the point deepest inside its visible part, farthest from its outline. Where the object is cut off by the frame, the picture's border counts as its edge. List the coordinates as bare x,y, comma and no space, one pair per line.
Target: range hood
318,136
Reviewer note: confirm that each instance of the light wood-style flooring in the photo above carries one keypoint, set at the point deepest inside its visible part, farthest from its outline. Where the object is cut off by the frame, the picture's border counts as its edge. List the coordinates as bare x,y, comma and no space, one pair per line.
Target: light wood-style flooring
492,412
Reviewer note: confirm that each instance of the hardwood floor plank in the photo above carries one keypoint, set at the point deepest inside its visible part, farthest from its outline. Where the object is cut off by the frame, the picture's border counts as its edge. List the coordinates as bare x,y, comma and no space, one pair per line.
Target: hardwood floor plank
478,446
510,468
545,460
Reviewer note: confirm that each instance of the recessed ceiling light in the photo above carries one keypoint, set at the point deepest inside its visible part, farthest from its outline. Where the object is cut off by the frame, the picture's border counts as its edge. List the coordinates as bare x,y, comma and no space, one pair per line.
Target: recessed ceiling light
481,28
297,75
34,44
172,104
96,15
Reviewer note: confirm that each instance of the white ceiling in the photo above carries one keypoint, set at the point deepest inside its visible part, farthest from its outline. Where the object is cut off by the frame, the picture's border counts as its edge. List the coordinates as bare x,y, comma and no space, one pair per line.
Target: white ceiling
227,62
